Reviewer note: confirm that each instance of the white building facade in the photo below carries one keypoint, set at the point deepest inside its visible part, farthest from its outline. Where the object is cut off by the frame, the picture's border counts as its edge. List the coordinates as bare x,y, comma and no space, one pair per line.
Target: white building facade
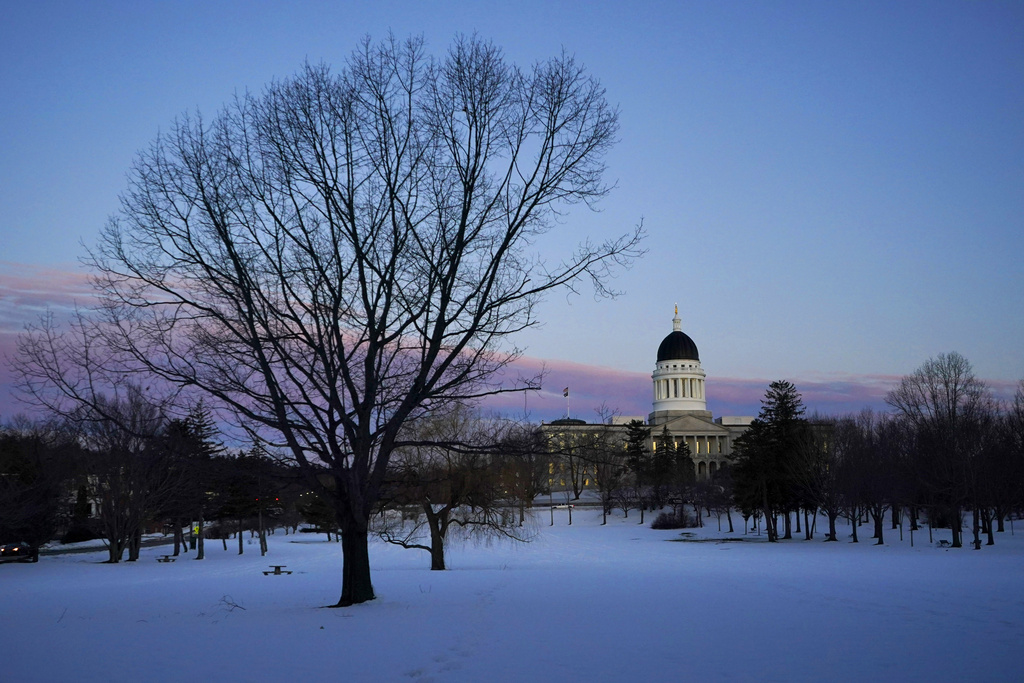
679,406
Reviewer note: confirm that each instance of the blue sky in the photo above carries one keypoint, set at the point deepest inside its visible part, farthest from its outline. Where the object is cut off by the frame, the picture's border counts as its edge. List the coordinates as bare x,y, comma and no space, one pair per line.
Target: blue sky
834,192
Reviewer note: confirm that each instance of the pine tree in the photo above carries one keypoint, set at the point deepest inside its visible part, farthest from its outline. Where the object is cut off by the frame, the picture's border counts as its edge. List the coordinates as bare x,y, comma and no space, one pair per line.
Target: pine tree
638,460
764,457
194,442
663,461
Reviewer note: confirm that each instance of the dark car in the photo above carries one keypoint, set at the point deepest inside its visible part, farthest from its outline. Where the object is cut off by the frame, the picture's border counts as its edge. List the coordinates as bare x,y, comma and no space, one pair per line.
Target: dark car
18,552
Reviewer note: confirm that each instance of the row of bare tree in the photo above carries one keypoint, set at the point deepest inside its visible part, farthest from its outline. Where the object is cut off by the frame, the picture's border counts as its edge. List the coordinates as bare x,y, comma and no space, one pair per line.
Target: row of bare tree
129,468
947,448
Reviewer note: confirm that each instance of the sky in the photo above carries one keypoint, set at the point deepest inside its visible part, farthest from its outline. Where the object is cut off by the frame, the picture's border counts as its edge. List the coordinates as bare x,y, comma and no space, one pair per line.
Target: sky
833,192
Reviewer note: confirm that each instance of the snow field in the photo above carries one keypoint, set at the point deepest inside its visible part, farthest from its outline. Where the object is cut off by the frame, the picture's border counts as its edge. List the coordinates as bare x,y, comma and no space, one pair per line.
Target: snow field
585,602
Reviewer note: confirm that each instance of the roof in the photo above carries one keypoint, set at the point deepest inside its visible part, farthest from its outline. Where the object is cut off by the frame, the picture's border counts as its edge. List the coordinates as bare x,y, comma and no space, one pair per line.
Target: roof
677,346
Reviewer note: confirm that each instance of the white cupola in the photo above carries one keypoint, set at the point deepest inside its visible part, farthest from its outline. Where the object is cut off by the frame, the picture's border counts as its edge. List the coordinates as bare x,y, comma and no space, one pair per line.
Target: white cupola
678,377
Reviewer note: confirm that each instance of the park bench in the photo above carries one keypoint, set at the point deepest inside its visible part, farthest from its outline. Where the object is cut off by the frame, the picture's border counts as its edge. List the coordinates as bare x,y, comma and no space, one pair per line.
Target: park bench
278,569
166,558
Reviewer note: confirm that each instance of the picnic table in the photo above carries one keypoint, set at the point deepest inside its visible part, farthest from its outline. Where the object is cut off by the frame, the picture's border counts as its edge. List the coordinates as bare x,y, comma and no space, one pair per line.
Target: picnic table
278,569
166,558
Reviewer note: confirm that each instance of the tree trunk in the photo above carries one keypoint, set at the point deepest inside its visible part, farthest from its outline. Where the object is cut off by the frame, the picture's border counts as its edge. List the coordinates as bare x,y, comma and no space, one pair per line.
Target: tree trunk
956,525
436,548
437,556
355,575
769,518
179,538
115,550
728,515
437,522
134,545
200,548
986,520
241,537
976,527
788,526
831,526
769,526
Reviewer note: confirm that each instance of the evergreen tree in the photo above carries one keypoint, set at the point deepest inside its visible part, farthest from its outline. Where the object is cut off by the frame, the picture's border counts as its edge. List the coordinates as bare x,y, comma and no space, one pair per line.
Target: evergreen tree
663,466
638,460
637,434
765,456
193,442
318,513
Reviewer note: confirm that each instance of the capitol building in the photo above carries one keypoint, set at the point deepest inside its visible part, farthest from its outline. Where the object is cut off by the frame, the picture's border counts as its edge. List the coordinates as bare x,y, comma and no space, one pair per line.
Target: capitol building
679,404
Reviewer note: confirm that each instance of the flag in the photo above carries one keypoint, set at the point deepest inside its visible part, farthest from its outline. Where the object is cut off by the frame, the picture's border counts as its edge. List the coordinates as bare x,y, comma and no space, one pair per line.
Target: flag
565,392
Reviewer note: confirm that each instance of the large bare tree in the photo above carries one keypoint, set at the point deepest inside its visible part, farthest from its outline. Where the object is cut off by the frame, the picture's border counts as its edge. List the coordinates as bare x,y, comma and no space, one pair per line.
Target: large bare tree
342,253
946,405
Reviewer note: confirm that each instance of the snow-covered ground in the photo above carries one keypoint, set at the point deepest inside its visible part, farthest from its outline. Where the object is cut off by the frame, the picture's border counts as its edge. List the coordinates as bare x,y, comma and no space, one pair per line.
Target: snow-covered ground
579,603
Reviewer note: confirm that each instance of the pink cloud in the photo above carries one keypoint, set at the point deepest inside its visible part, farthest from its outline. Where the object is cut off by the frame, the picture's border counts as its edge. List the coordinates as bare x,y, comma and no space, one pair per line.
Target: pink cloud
629,393
590,388
832,395
27,291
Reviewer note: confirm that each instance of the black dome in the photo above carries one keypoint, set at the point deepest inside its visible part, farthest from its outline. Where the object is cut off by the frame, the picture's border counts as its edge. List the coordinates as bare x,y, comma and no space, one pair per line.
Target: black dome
677,346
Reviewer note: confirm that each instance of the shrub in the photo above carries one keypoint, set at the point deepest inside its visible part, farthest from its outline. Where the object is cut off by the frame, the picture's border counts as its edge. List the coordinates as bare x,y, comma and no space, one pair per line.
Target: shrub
77,533
670,520
217,532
